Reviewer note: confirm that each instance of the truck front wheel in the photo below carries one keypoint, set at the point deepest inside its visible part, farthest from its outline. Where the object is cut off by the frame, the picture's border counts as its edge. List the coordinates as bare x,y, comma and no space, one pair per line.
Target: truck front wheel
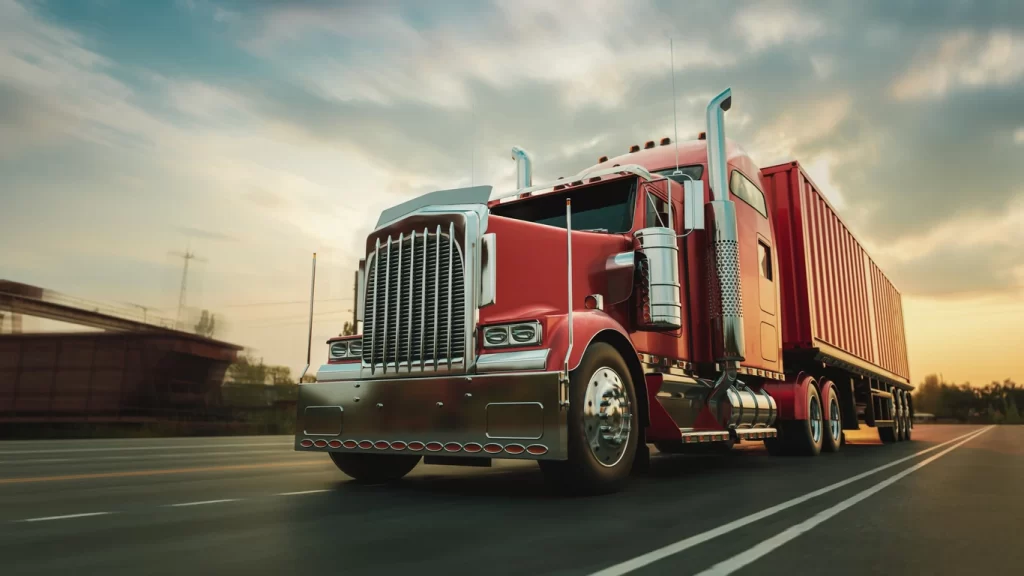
374,468
602,426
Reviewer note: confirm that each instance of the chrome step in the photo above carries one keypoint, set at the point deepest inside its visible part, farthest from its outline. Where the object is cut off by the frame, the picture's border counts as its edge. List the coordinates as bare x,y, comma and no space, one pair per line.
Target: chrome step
723,435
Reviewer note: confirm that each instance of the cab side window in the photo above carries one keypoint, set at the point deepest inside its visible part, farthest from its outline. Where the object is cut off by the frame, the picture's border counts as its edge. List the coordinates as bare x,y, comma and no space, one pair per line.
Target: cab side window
745,190
657,212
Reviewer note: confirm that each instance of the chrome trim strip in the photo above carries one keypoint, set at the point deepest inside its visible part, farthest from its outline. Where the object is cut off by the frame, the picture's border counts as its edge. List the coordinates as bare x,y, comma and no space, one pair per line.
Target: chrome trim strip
336,372
513,361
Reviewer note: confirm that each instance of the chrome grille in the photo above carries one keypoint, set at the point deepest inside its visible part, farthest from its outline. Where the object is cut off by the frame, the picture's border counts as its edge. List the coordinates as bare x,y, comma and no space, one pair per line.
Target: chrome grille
415,313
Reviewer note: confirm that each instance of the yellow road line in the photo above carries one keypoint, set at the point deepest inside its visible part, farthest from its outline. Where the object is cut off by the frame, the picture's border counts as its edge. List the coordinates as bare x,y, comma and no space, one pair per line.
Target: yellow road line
161,472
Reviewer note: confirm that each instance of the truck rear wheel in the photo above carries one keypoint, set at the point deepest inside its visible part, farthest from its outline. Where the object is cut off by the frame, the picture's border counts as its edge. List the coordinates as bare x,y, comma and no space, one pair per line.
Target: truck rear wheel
887,434
832,438
602,427
374,468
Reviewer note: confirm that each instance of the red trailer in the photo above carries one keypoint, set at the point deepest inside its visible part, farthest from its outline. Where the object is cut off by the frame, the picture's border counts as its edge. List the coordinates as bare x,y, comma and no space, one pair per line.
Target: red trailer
676,295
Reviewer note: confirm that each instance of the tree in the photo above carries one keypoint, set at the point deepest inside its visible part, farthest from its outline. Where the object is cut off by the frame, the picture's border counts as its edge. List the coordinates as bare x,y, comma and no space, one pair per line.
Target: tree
207,324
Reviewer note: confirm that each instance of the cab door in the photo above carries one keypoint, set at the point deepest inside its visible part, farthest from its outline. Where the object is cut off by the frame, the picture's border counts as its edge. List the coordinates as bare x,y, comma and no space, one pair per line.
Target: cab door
759,272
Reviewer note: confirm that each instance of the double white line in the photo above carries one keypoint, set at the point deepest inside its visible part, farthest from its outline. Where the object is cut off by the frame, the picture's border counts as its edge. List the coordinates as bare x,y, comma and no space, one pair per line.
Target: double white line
746,557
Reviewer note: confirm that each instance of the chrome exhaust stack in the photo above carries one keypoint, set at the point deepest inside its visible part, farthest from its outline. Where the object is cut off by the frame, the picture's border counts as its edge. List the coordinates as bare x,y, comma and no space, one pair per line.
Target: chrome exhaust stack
524,168
728,345
727,338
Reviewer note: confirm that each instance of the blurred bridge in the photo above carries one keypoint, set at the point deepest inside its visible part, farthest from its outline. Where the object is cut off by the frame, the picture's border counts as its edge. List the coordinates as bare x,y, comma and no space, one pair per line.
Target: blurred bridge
124,370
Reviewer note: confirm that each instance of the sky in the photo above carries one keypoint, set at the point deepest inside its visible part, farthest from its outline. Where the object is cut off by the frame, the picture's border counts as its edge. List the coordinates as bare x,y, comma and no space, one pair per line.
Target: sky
254,133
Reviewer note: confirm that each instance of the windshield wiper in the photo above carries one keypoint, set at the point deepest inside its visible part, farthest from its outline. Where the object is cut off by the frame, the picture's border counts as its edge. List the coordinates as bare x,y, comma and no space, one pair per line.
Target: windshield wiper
604,230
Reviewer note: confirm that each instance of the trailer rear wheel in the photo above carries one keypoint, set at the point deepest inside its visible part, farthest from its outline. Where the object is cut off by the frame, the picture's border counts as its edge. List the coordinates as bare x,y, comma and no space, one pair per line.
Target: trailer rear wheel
833,436
374,468
602,432
887,434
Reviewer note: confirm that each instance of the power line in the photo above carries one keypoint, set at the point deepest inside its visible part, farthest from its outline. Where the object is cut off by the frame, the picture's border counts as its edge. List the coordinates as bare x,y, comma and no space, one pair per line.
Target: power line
285,302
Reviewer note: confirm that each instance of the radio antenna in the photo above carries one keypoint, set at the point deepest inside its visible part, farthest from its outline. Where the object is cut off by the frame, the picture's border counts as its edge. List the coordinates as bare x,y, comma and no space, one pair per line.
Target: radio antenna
472,144
675,117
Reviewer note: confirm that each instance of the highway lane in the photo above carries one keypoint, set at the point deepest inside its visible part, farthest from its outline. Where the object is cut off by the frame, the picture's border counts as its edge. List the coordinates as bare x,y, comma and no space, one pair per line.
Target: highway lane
253,505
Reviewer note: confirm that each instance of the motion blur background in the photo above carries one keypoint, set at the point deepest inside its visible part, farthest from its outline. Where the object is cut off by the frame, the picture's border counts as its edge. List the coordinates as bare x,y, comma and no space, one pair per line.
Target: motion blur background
238,137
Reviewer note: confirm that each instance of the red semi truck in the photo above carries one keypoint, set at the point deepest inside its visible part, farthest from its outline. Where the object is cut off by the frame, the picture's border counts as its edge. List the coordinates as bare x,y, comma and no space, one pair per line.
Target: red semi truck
676,295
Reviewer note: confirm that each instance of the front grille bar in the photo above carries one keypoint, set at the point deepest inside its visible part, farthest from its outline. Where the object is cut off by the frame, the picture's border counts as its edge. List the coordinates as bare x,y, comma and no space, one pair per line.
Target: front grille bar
437,276
373,324
451,265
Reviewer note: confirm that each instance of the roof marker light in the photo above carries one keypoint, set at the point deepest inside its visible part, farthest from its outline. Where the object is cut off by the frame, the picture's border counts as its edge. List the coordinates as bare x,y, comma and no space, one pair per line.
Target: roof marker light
649,144
666,141
634,148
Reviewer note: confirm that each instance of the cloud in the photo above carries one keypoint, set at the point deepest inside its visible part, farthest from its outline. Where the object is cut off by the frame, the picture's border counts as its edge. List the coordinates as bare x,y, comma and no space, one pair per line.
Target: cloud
771,24
964,60
591,52
192,232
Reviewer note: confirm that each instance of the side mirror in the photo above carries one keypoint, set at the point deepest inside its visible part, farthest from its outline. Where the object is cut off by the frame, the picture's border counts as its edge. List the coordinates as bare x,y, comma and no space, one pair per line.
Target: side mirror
693,205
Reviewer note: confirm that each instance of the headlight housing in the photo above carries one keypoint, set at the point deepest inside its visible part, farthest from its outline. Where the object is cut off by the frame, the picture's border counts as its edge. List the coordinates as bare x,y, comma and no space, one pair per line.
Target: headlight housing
513,335
346,350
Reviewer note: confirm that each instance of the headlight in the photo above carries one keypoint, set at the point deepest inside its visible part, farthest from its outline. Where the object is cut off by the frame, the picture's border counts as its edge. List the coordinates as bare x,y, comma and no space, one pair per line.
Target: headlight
507,335
524,333
496,336
339,350
355,349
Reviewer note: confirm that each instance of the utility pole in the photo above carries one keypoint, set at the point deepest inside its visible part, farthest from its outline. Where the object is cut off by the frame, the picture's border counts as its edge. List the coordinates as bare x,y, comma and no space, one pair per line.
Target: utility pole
188,255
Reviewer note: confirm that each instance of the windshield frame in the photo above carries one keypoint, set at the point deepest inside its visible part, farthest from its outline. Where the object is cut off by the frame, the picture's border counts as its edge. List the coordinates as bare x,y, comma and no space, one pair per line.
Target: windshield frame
629,206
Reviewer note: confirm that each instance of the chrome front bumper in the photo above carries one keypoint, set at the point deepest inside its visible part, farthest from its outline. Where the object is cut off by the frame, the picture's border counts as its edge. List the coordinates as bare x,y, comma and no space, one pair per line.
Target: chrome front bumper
503,415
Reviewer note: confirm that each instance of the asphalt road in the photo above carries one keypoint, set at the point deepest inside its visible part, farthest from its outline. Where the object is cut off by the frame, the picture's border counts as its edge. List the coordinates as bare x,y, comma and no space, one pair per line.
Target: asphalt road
253,506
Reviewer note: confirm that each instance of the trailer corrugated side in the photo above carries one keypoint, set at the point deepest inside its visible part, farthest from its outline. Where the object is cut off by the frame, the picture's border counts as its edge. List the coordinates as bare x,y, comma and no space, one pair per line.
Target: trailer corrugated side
837,303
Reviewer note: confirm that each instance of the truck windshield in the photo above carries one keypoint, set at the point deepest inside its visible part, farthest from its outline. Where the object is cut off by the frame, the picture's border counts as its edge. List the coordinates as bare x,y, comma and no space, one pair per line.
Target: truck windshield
603,207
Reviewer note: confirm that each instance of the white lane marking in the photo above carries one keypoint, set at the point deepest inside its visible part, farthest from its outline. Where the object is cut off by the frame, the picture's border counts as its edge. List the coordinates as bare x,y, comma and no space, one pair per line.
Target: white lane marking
765,547
203,502
687,543
84,515
302,492
197,447
152,456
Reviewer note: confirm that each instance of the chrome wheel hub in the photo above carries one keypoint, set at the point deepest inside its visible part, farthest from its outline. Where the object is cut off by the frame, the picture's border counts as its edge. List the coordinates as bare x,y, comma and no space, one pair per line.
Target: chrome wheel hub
607,416
814,413
833,419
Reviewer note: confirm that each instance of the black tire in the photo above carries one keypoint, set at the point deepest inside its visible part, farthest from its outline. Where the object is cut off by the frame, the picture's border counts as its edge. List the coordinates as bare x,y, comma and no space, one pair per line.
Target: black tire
908,427
776,446
796,437
887,434
374,468
582,473
831,440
